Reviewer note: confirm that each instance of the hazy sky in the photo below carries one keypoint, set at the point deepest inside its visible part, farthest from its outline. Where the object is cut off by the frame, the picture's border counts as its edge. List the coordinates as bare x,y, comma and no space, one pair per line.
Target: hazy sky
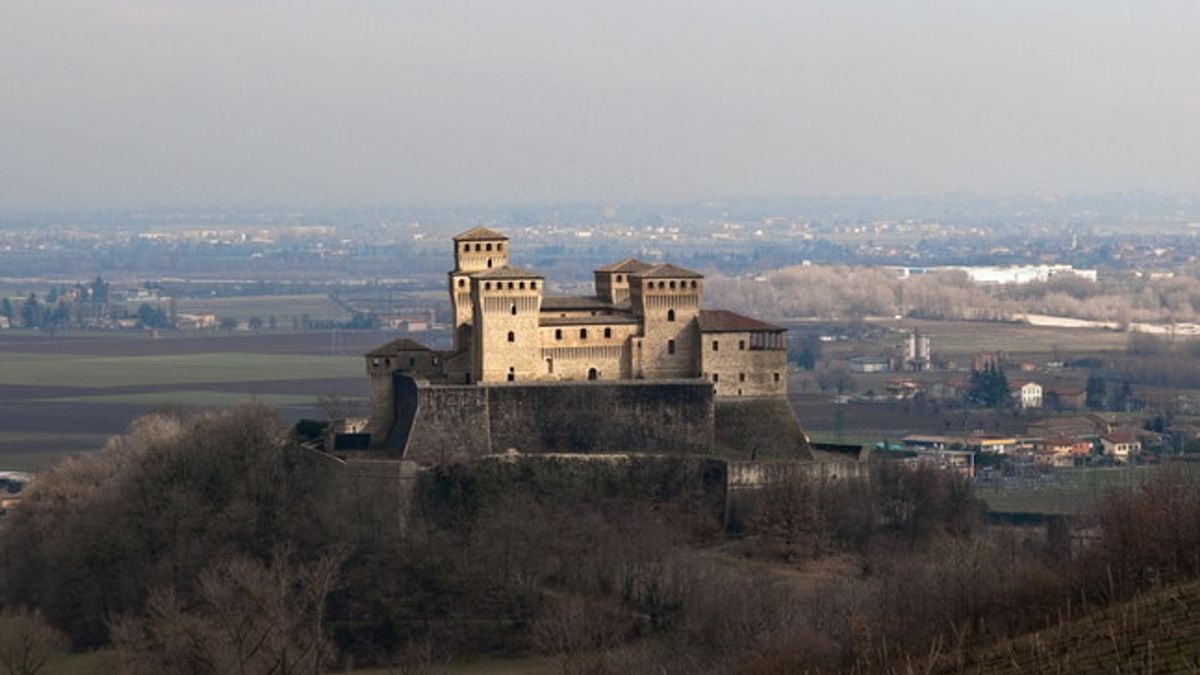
132,103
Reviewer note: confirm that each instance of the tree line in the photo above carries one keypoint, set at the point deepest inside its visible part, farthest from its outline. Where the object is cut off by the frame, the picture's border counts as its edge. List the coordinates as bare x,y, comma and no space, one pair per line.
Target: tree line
212,542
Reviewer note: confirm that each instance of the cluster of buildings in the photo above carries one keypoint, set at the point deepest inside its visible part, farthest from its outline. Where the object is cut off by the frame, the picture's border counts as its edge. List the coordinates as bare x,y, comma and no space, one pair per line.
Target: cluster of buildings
1053,443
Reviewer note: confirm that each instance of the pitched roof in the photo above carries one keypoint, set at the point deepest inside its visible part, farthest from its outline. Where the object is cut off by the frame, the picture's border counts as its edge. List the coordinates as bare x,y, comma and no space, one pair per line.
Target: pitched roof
560,302
398,345
725,321
1119,437
506,272
479,234
626,265
667,270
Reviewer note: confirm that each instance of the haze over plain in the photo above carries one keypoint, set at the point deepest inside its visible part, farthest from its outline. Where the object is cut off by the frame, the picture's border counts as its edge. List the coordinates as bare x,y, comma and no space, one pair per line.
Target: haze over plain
136,103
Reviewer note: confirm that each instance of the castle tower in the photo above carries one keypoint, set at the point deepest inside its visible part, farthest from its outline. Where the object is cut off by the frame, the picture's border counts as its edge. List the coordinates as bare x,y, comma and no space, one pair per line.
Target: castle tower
667,299
506,344
476,250
612,281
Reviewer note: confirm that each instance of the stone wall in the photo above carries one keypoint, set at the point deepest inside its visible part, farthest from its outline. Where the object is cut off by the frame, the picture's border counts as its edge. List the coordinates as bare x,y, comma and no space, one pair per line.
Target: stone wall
434,423
759,428
735,369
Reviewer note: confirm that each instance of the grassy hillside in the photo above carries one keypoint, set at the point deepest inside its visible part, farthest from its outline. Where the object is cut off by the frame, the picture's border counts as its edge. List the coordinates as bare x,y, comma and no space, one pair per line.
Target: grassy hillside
1157,633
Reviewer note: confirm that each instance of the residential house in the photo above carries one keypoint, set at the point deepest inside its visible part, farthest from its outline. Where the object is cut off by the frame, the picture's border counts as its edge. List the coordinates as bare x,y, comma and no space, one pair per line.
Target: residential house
1028,394
1120,444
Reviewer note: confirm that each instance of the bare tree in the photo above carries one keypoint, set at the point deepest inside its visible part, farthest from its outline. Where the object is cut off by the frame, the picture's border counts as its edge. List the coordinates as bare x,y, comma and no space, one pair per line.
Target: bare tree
27,642
249,618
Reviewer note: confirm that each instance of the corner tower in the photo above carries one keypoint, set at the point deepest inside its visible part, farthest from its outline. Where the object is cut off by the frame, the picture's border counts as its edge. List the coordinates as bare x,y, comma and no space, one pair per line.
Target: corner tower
667,300
476,250
506,344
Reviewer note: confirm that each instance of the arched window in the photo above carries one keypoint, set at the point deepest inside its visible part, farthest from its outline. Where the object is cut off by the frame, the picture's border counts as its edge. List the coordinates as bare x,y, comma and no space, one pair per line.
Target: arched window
619,278
462,282
533,285
607,332
672,284
499,247
670,315
582,333
513,310
512,337
488,247
487,285
662,284
557,333
466,248
412,362
593,374
521,285
489,262
693,284
478,248
670,346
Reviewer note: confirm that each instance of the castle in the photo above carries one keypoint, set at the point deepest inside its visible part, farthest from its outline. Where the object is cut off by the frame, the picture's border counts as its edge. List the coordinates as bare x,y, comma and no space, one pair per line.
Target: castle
643,327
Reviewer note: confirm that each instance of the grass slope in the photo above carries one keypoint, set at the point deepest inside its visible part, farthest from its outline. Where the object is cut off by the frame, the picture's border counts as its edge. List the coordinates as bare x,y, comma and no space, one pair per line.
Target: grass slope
1157,633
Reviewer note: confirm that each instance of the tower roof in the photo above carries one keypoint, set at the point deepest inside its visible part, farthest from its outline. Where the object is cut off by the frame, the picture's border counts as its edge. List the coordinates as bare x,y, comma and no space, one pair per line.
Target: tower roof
479,234
506,272
626,265
668,270
395,346
725,321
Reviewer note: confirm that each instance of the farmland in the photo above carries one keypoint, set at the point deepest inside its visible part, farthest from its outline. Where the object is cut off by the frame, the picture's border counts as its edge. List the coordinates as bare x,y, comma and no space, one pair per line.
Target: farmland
69,393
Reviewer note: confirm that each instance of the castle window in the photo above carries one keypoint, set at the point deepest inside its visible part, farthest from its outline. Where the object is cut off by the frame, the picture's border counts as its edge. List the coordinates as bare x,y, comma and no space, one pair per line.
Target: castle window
488,247
478,248
533,285
670,315
593,373
513,310
670,346
466,248
607,332
662,284
489,262
619,278
412,362
512,337
582,333
776,378
557,333
510,285
521,285
462,282
487,285
741,377
716,345
499,247
512,377
716,378
672,285
741,345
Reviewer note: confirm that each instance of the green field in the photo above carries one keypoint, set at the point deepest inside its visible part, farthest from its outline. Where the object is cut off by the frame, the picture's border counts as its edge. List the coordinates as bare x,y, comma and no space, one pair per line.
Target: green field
67,370
1076,490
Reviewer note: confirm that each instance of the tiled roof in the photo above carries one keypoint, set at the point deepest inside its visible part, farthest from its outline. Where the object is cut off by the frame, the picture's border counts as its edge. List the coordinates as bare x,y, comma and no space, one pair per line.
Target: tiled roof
506,273
666,270
626,265
399,345
559,302
1119,437
479,234
725,321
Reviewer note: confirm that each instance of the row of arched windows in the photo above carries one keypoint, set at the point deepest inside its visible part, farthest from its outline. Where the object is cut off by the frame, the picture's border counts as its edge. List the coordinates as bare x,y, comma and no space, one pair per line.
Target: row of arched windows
487,285
481,247
583,333
671,284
